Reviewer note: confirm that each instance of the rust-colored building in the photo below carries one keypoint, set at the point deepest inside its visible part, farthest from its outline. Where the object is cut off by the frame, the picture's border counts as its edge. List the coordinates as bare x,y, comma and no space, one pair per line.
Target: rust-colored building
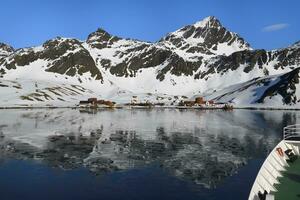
199,100
211,102
103,102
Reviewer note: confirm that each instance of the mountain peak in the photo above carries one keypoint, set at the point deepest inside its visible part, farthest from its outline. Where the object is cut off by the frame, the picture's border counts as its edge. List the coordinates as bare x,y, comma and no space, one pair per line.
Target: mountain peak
62,42
99,34
210,21
101,31
101,38
5,49
296,44
207,36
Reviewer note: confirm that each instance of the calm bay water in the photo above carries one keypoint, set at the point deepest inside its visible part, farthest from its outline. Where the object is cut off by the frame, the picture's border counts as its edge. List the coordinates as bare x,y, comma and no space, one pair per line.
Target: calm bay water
134,154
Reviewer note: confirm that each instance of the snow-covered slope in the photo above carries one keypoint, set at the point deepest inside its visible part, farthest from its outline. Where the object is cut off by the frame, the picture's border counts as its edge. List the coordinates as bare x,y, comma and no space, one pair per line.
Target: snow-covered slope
194,60
277,91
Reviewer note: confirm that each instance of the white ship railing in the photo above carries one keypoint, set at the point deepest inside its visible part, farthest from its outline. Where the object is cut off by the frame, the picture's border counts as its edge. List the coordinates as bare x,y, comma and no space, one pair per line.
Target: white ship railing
291,132
275,163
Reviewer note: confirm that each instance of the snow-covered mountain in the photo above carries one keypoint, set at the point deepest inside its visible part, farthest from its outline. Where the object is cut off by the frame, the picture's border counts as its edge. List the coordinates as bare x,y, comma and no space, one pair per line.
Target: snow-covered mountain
199,59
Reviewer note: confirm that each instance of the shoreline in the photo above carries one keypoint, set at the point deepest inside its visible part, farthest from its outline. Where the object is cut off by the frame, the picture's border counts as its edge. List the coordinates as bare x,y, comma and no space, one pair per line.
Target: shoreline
146,107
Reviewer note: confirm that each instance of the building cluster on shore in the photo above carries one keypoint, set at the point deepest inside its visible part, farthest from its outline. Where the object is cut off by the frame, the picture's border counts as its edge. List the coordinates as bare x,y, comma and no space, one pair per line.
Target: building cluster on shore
94,103
199,102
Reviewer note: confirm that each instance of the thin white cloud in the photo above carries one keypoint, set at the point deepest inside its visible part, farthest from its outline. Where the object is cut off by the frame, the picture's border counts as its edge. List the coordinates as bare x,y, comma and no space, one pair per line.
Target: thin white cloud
275,27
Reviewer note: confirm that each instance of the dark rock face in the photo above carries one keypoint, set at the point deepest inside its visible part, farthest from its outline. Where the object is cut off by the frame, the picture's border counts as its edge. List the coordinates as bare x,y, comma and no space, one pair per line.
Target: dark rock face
5,49
77,62
139,55
150,56
266,88
178,66
282,58
101,39
286,87
65,56
232,62
55,48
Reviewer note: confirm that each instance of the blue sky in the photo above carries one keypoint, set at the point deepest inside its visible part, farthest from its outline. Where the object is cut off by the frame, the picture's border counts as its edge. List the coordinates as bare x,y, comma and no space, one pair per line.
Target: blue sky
265,24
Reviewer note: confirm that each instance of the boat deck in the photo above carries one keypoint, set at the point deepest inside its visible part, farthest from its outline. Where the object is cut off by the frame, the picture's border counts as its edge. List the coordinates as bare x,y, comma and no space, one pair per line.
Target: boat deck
289,187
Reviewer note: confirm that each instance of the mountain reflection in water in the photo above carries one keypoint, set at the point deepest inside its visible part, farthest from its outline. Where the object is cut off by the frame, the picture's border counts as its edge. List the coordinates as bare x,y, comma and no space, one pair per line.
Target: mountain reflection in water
203,147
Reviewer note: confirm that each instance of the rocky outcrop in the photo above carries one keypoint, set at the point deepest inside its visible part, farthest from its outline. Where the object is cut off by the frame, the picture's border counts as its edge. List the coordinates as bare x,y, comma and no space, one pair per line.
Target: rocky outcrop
63,56
5,50
280,90
101,39
285,87
258,58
